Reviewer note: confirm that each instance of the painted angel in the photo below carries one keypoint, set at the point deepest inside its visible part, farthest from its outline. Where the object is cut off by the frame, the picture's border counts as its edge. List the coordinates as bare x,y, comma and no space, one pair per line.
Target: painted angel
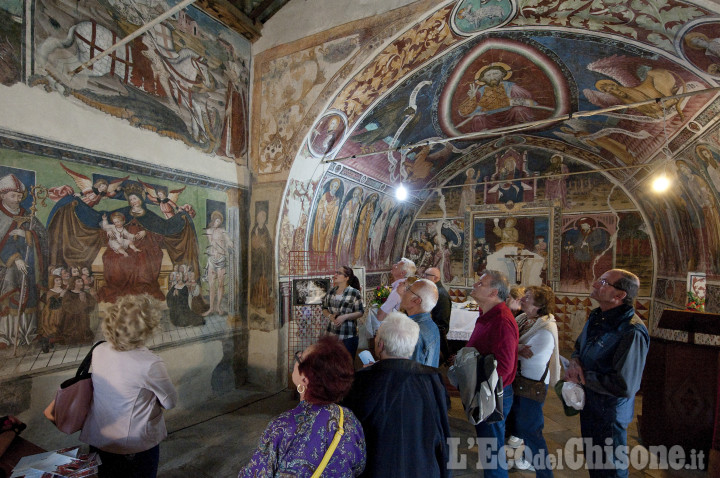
166,200
90,193
627,83
631,131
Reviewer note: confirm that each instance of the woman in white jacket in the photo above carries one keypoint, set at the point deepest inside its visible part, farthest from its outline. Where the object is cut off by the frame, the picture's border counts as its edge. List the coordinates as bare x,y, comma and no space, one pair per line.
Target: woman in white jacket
537,352
131,385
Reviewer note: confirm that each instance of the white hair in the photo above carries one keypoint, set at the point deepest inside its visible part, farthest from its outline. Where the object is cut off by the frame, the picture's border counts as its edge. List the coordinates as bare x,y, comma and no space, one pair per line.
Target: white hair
408,266
399,334
428,293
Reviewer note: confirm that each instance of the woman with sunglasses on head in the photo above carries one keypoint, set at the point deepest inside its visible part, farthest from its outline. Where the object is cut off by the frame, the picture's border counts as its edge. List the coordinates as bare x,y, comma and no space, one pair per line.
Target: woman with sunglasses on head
513,300
539,361
297,441
343,306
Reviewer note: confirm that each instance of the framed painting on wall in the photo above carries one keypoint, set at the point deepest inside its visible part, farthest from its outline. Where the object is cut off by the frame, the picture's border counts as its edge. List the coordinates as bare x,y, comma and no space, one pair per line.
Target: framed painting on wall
522,244
696,291
310,291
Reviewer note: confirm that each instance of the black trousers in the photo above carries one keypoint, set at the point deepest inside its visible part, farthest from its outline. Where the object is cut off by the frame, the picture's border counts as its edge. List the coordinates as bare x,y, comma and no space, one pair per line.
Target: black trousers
133,465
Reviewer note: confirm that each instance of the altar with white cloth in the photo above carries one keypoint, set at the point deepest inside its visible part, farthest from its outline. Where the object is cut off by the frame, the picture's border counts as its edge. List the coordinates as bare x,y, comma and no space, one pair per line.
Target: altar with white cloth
462,321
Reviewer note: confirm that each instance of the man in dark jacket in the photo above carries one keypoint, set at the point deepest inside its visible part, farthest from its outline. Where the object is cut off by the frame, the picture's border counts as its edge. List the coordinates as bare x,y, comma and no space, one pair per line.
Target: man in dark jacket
608,361
403,407
441,312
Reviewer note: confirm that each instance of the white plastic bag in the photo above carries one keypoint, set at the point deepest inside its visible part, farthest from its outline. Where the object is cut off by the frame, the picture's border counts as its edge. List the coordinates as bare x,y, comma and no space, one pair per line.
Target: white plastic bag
573,395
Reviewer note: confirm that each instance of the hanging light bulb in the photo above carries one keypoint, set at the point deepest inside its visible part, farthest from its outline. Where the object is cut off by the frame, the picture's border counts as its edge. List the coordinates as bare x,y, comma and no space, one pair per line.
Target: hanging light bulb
401,193
662,181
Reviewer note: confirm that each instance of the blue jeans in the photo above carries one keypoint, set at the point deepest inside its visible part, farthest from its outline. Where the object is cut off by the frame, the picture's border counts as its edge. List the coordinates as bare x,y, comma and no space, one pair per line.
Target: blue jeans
529,423
134,465
600,426
491,446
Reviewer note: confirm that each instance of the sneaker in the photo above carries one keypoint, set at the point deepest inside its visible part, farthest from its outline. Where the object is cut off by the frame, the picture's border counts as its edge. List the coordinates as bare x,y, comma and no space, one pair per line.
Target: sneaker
523,464
514,442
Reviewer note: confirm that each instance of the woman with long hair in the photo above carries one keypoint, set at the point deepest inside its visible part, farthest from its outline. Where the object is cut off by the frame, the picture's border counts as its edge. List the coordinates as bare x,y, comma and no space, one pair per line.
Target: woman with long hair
343,306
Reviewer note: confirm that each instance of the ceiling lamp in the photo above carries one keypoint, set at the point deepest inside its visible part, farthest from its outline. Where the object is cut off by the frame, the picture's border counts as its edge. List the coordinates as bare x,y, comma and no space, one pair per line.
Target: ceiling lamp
401,193
662,181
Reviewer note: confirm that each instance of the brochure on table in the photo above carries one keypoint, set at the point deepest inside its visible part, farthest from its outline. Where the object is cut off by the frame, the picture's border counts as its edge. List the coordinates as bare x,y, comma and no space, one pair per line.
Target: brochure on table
68,462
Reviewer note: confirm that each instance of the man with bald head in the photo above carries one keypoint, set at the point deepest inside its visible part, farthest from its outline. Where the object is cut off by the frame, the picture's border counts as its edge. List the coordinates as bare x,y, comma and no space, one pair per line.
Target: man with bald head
608,361
417,300
441,312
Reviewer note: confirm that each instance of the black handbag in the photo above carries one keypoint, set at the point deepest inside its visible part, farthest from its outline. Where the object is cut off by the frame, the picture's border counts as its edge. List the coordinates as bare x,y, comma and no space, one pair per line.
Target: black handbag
529,388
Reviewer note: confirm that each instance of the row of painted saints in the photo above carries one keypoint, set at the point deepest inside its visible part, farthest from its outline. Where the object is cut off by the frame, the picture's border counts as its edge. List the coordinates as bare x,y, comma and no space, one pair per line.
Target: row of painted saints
53,275
354,226
363,230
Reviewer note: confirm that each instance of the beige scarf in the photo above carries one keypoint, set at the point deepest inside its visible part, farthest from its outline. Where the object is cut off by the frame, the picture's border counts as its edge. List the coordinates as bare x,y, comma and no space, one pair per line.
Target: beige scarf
545,322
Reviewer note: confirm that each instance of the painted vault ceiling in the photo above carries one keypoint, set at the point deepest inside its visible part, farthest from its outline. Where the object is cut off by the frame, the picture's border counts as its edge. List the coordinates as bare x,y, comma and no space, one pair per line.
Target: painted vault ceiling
531,70
485,93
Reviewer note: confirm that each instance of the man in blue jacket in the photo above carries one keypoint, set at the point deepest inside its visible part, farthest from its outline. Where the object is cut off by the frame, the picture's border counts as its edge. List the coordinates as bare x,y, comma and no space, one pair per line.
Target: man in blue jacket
417,301
441,312
608,361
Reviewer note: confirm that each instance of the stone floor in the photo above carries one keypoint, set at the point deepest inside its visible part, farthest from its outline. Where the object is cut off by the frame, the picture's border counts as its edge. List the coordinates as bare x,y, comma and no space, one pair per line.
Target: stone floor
218,440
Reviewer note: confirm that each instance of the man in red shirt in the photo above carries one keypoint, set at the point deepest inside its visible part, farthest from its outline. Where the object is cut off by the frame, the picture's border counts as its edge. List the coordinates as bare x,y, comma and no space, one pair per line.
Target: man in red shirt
496,332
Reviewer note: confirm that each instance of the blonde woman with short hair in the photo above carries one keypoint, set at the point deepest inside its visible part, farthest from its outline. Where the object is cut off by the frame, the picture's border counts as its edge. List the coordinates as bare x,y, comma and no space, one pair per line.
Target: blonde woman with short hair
131,388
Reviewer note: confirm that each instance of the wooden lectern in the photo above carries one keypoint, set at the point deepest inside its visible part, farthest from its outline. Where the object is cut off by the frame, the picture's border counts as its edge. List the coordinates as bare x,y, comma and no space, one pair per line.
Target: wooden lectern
680,386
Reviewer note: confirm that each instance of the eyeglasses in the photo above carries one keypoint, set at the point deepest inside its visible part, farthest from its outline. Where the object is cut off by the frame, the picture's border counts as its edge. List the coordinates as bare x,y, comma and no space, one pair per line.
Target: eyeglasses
408,289
298,357
427,274
407,283
603,282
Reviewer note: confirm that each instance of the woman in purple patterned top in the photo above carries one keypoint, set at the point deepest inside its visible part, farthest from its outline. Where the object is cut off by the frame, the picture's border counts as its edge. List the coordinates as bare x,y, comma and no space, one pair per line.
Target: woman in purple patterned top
295,442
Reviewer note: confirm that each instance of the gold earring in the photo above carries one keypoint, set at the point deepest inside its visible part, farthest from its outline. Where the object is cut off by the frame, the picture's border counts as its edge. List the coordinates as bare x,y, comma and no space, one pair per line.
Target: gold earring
301,388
